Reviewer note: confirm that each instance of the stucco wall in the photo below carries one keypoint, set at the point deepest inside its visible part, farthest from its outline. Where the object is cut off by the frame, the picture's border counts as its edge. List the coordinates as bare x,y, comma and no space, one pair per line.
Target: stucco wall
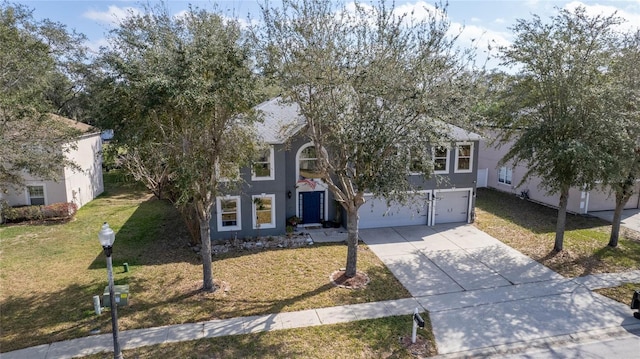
579,201
87,183
83,186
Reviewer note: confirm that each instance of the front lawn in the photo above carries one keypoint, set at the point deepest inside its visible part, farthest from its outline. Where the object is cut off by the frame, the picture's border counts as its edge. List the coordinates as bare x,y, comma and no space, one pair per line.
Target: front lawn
49,273
376,338
530,228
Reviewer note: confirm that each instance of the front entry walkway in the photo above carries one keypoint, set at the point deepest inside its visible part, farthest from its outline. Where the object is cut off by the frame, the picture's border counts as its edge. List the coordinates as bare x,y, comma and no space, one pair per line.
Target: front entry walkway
482,294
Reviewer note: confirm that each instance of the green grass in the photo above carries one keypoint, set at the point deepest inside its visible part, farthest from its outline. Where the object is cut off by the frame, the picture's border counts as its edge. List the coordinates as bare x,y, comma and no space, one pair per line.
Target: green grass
377,338
49,273
530,228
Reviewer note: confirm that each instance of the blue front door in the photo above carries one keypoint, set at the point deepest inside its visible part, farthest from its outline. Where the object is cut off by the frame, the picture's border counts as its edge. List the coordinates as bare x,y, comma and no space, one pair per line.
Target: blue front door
311,204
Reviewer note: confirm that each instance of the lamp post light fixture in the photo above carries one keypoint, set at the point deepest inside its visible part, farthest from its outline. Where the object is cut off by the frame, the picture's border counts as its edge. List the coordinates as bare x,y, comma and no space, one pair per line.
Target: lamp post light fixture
107,237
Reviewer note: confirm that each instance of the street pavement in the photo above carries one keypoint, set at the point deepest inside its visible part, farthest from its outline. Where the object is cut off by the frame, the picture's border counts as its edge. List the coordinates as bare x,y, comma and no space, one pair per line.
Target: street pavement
484,298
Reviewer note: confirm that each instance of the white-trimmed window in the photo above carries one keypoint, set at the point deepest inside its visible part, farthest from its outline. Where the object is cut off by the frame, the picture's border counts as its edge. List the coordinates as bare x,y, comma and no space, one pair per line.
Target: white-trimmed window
440,160
36,195
264,211
464,158
262,168
308,163
504,175
228,213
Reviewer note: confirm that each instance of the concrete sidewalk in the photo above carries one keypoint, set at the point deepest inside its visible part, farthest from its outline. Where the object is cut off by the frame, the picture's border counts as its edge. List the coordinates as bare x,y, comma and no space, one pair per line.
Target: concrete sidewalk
484,296
131,339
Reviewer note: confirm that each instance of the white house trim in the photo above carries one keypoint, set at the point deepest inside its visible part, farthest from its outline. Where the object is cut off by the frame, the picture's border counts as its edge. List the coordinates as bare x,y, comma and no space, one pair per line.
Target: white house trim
254,211
238,225
317,186
457,153
435,204
272,168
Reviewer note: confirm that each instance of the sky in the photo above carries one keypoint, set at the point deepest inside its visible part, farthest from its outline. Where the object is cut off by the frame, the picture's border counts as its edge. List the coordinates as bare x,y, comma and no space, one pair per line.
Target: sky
480,21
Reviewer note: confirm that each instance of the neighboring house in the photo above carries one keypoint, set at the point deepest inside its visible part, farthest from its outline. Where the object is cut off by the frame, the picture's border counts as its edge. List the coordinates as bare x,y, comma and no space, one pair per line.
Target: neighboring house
79,187
507,177
282,184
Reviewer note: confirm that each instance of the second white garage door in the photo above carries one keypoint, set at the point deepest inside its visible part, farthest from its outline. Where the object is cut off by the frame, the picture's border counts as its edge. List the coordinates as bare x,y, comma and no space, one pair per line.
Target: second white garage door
451,206
376,214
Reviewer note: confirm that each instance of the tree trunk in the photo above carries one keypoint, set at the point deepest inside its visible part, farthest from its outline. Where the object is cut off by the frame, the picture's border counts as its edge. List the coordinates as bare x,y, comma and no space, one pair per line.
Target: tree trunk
622,197
562,219
205,251
352,241
192,221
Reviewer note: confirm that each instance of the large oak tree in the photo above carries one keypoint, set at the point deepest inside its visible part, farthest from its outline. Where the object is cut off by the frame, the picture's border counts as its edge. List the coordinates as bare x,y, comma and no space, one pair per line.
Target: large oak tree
376,88
555,103
623,113
173,91
36,57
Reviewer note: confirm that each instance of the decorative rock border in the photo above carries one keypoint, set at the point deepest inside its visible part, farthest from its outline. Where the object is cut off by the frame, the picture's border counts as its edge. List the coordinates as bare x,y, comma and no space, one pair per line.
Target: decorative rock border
260,243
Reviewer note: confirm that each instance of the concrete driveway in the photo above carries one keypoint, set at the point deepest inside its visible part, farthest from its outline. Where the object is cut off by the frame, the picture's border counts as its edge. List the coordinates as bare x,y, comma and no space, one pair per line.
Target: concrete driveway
630,218
482,294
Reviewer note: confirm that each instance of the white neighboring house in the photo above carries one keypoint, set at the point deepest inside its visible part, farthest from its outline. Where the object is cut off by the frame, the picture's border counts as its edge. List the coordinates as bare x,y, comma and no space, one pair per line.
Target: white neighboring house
505,178
79,187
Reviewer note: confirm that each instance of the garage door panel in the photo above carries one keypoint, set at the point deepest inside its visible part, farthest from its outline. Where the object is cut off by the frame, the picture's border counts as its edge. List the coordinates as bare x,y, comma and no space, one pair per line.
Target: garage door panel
451,207
375,213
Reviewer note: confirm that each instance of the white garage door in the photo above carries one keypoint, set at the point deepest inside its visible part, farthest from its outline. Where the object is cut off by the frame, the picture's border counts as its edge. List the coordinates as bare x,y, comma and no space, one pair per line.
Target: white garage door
376,214
451,207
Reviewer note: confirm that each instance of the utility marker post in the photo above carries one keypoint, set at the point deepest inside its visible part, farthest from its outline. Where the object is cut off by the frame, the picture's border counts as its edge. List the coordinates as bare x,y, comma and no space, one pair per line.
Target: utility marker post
417,322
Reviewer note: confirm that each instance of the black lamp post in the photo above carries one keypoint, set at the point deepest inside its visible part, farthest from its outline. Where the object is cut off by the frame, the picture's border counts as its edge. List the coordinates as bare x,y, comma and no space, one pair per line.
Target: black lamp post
107,237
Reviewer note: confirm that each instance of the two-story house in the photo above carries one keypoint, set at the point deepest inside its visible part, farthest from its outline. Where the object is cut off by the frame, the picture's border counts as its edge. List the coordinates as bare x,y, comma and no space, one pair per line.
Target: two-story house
283,183
508,178
77,185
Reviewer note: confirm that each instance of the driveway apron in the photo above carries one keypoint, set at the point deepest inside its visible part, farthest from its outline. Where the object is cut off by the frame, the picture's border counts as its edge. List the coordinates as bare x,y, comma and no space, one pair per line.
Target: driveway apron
481,293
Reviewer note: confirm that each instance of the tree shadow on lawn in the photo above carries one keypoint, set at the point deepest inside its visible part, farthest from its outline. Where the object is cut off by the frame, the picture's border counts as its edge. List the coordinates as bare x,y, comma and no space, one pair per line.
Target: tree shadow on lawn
69,313
538,218
154,234
249,293
602,260
50,317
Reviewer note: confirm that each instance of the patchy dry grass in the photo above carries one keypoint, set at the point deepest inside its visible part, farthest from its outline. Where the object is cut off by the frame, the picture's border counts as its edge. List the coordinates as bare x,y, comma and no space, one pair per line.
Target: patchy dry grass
49,274
621,293
376,338
530,228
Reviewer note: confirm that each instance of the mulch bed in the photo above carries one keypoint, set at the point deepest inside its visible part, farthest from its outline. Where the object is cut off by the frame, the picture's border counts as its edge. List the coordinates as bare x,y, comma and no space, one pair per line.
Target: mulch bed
339,279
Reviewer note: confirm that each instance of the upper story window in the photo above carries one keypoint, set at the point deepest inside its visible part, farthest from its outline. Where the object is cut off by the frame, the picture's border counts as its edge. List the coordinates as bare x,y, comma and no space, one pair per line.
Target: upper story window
308,163
36,195
504,175
464,158
441,160
264,211
263,167
228,213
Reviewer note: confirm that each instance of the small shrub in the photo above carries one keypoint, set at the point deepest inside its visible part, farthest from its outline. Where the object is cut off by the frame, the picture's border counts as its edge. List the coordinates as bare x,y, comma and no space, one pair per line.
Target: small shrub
60,210
64,210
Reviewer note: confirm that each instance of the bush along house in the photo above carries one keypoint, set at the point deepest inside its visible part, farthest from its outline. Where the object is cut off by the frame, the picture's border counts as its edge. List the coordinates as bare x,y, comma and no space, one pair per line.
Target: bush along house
282,188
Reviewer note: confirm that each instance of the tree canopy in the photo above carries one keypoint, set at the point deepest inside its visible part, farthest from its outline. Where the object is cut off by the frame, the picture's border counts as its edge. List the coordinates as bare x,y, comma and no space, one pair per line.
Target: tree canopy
375,87
554,108
622,96
33,55
174,90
